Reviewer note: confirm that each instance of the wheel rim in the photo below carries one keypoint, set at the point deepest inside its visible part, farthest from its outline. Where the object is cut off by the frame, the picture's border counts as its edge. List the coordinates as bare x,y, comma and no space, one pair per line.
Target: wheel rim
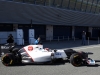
77,61
6,60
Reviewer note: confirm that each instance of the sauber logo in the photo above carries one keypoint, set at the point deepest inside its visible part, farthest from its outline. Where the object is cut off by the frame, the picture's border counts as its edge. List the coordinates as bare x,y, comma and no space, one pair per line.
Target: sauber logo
30,48
5,47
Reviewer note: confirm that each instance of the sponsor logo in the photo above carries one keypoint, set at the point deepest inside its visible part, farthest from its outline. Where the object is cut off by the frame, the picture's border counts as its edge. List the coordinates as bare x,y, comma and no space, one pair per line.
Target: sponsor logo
57,53
30,48
5,47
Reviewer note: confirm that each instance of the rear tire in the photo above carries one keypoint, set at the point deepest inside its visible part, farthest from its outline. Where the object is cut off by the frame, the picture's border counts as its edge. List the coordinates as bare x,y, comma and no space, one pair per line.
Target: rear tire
76,59
8,59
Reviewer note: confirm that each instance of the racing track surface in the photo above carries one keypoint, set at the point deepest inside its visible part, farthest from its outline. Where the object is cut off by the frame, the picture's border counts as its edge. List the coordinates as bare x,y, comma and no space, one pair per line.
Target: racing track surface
59,69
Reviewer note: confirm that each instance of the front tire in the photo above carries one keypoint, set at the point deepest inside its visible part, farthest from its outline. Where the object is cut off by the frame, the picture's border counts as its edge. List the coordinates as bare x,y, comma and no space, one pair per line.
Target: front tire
8,59
76,59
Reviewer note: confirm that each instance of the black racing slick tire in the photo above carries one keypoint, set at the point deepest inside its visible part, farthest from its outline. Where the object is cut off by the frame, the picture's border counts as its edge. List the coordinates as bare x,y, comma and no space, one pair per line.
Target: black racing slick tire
76,59
8,59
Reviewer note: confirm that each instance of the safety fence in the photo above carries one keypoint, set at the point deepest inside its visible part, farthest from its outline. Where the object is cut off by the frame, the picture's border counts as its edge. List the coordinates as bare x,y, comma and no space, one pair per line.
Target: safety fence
52,38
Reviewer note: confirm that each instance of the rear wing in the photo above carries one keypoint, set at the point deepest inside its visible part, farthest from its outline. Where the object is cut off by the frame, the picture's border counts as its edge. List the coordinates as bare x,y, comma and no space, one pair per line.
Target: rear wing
5,48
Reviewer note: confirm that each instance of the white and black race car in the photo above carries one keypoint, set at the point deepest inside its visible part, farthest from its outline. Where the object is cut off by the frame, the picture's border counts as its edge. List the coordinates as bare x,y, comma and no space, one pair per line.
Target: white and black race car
38,54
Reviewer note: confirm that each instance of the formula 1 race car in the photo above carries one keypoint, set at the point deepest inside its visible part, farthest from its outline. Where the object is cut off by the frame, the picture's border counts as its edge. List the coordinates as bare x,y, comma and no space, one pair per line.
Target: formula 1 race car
38,54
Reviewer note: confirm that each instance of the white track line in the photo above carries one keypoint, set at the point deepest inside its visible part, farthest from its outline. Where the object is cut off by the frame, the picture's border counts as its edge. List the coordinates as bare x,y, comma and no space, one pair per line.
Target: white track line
86,47
82,47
